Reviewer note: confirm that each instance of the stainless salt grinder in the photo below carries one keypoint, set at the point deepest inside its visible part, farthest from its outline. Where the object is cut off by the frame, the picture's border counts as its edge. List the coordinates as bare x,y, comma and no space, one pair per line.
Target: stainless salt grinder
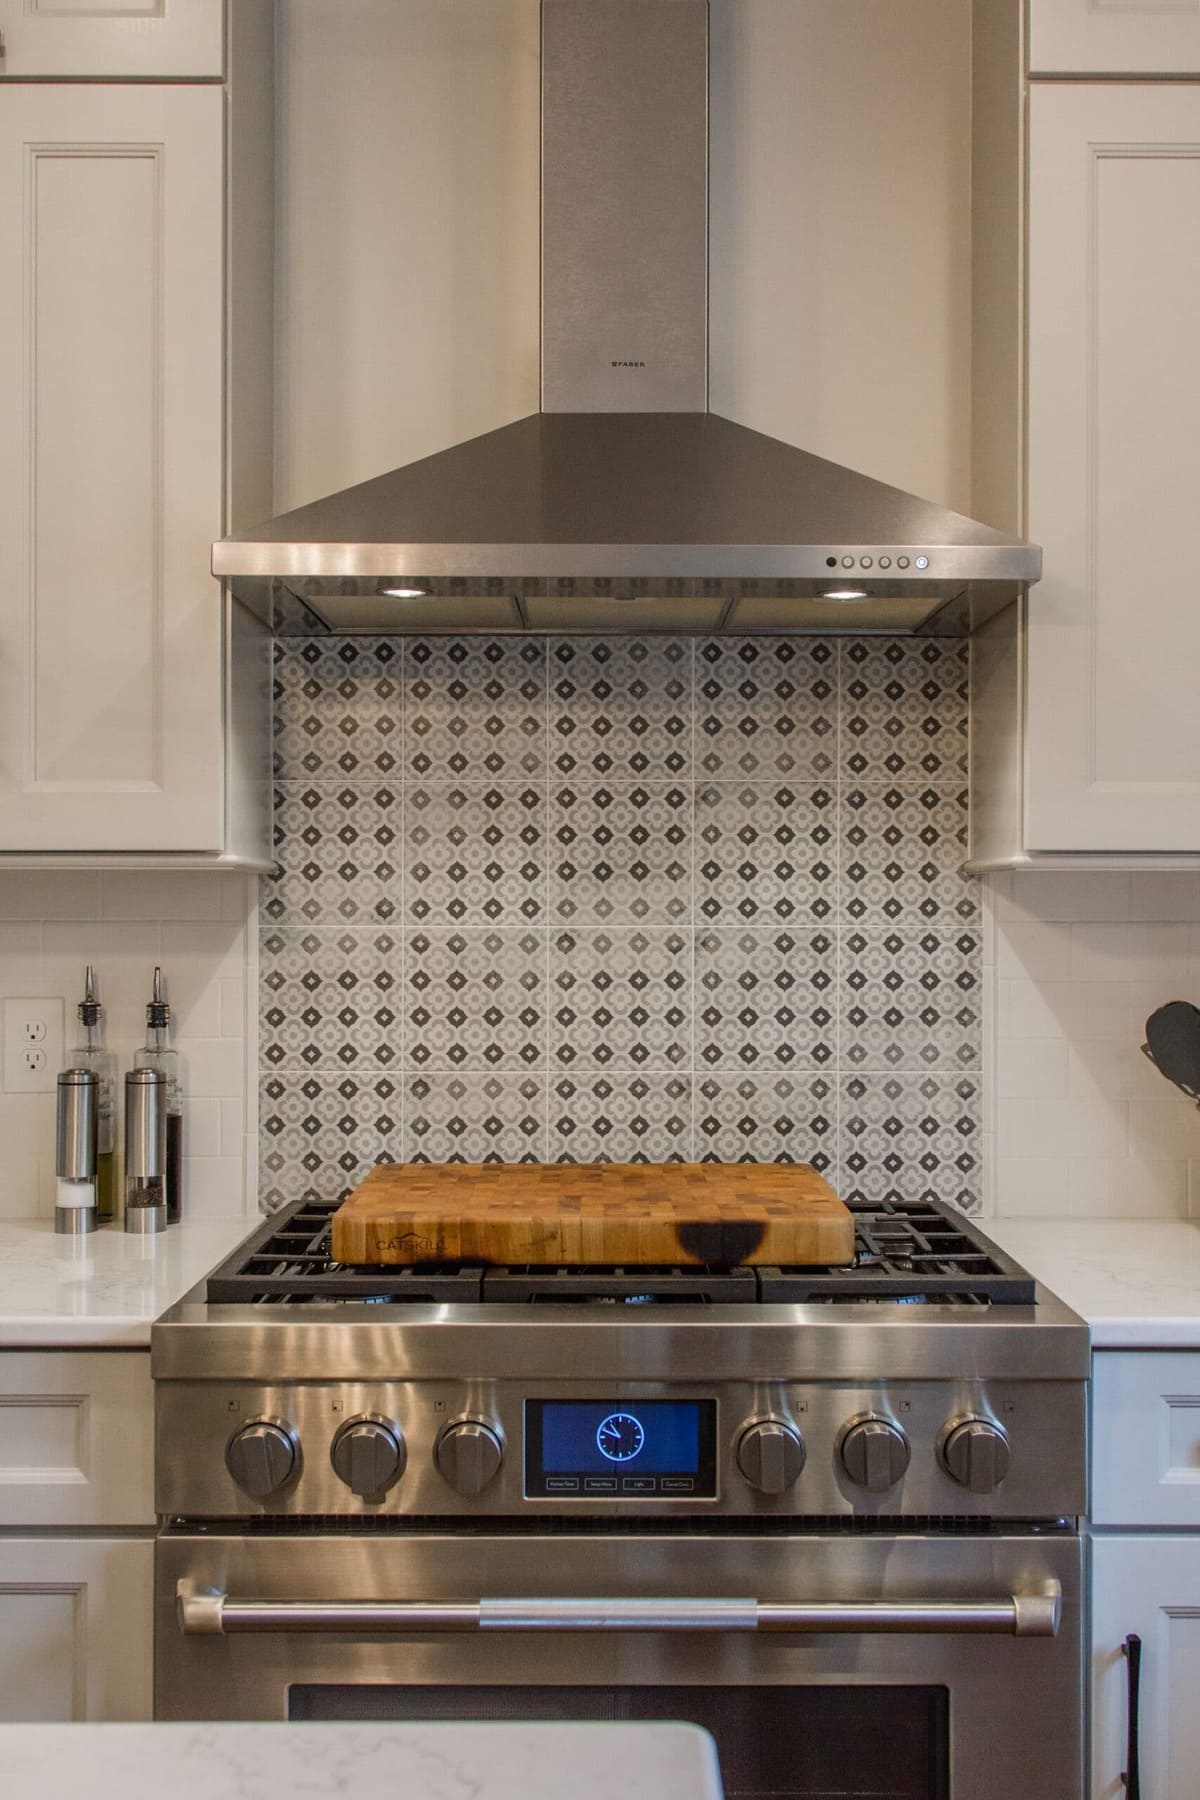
75,1152
145,1150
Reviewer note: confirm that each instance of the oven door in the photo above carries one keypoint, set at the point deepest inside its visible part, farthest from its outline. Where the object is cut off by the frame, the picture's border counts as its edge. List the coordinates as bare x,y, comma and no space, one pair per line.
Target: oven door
899,1668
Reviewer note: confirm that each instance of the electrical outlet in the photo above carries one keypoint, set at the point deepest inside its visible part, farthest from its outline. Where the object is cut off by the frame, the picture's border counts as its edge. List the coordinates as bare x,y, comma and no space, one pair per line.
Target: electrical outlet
33,1045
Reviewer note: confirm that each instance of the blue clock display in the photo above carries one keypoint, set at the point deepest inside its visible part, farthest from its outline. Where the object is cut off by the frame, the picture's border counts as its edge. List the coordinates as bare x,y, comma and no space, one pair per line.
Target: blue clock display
620,1437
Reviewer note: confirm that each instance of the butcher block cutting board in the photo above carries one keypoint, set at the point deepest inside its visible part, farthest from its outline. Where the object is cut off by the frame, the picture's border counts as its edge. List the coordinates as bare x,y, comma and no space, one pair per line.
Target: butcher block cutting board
634,1214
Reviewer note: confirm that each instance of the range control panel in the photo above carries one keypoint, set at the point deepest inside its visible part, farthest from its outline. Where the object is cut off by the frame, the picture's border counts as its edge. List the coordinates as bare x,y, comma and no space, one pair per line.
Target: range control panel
620,1449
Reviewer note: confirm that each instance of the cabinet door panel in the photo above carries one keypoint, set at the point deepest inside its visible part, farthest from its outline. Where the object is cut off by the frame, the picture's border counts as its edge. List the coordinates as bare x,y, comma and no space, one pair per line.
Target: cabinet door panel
76,1438
1113,756
110,469
107,38
1114,37
75,1629
1148,1586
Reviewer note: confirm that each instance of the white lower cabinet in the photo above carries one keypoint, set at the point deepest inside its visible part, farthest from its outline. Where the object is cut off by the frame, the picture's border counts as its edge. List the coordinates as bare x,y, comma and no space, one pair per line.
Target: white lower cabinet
1147,1587
76,1611
76,1625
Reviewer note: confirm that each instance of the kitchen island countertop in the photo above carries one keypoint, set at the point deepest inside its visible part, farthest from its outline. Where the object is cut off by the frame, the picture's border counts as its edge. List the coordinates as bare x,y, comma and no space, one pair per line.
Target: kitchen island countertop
105,1290
1135,1281
371,1762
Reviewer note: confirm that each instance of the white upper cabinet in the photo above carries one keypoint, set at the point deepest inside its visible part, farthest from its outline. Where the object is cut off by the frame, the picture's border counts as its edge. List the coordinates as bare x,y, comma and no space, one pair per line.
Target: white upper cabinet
1112,754
107,39
1114,37
111,300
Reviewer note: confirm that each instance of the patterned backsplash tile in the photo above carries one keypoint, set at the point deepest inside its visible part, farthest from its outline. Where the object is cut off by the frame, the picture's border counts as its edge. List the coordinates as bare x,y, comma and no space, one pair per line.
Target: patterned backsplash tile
622,898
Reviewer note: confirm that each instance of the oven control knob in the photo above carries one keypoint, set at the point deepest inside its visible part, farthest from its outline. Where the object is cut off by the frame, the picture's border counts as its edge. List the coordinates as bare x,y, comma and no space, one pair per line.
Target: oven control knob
975,1453
368,1454
468,1453
770,1455
262,1457
875,1453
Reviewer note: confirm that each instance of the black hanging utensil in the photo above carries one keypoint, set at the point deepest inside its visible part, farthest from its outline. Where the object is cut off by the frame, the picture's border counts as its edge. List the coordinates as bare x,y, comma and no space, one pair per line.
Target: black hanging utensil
1173,1045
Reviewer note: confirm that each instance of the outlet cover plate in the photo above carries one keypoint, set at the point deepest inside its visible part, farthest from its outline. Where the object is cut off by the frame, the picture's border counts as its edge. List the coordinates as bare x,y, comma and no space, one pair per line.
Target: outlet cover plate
33,1045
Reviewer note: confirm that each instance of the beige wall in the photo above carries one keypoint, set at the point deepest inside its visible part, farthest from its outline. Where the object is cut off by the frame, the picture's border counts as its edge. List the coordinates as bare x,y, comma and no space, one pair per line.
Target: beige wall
407,251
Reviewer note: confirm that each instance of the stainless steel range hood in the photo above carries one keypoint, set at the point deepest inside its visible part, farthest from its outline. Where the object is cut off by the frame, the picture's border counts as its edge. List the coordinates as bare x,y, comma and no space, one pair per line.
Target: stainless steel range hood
624,504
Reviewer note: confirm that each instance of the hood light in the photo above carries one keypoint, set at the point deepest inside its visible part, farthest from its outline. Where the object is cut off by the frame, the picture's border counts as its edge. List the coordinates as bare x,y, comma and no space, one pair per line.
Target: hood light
405,593
844,593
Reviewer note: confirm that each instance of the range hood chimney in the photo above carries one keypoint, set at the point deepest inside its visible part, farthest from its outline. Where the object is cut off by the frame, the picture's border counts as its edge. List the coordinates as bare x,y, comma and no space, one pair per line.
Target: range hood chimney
624,504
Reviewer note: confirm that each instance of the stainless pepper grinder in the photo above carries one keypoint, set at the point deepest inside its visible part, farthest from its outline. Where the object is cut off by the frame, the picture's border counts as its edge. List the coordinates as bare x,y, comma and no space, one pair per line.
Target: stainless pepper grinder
145,1150
75,1152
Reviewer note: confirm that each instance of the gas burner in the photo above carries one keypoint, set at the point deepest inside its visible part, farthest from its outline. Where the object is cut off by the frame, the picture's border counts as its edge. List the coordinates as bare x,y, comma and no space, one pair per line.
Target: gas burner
915,1251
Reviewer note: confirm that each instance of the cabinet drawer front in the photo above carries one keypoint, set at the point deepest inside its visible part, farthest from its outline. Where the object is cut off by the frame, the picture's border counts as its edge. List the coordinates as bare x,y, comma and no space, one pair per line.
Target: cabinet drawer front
76,1438
1146,1437
75,1629
109,38
1114,37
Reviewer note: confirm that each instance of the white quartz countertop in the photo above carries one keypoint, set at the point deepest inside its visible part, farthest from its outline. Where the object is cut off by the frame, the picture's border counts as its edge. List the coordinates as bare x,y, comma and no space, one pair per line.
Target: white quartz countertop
1135,1281
367,1762
105,1289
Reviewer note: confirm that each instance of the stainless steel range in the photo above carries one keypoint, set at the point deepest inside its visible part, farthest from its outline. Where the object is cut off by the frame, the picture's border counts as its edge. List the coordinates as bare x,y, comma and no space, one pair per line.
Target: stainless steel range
830,1514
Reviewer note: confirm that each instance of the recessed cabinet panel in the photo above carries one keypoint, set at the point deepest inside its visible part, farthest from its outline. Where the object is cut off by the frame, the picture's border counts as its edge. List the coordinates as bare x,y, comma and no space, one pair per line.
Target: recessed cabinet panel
1146,1462
1148,1587
75,1629
110,468
76,1439
107,38
1114,37
97,470
1113,750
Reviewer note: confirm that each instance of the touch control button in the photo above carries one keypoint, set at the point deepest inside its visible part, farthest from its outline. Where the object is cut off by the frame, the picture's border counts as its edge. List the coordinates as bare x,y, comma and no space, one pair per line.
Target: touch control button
562,1484
599,1484
638,1484
678,1484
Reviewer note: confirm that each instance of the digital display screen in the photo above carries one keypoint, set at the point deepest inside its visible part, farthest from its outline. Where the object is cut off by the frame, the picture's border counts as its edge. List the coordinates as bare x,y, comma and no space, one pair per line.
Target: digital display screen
620,1448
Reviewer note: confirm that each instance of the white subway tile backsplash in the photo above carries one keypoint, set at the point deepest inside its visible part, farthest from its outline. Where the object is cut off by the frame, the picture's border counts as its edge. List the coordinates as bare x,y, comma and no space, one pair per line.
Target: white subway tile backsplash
49,894
21,958
1164,1125
213,1068
1133,951
1129,1187
233,1126
1035,951
213,1186
1117,1069
1032,1069
1172,895
1065,1010
201,1127
160,894
1032,1186
1066,895
1072,1125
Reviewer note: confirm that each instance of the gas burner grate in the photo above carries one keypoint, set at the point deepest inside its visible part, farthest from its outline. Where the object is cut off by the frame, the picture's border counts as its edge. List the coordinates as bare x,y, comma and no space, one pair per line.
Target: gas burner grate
600,1286
916,1251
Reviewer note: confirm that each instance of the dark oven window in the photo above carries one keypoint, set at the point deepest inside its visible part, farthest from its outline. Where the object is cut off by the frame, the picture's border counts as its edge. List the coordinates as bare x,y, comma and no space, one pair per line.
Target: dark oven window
812,1743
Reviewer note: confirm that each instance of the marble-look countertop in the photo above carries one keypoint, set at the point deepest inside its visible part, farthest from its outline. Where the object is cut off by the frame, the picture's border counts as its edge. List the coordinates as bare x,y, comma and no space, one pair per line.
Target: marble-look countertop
105,1289
362,1761
1135,1281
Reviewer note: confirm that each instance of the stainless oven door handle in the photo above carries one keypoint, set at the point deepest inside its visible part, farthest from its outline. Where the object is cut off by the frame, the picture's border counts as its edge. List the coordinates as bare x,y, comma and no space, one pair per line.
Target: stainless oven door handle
205,1612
